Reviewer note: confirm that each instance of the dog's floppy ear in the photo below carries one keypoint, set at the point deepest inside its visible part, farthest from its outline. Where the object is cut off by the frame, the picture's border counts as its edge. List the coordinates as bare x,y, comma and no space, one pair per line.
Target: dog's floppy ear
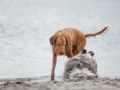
52,39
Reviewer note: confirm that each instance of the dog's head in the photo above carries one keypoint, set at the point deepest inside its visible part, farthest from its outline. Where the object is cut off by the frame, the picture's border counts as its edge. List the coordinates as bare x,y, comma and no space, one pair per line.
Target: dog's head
84,51
58,42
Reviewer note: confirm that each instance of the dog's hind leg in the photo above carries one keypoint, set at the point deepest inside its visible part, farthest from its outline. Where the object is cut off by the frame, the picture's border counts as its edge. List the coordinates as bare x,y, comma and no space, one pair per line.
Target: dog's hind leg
80,46
74,50
53,66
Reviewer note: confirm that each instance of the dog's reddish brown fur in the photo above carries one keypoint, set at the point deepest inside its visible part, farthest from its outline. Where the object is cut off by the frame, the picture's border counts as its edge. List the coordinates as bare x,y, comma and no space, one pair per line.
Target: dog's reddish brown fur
69,42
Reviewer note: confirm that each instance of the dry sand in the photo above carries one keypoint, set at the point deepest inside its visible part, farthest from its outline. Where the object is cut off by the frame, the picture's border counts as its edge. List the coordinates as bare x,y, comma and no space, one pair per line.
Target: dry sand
91,84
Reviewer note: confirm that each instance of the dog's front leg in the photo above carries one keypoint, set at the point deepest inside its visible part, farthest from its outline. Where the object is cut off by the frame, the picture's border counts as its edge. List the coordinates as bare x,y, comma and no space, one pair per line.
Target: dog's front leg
53,66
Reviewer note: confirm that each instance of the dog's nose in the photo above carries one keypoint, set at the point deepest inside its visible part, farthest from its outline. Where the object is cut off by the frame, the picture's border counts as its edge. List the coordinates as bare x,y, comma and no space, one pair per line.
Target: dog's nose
61,53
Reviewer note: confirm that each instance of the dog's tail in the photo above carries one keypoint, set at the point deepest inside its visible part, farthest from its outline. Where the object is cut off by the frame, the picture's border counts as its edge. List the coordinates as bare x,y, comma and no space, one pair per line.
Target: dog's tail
98,33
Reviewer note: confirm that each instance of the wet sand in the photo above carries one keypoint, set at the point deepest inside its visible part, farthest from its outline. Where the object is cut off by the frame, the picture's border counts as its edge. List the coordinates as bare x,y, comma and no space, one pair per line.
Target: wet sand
96,83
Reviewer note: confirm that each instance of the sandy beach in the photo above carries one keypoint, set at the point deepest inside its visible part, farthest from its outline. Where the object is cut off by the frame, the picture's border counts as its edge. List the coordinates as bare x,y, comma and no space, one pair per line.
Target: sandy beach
91,84
25,51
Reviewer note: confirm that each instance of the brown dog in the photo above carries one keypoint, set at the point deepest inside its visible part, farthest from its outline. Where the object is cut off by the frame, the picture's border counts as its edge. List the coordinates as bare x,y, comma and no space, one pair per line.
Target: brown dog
69,42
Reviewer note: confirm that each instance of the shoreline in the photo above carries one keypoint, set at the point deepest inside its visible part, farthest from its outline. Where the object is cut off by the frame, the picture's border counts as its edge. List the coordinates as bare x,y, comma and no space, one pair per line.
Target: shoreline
84,84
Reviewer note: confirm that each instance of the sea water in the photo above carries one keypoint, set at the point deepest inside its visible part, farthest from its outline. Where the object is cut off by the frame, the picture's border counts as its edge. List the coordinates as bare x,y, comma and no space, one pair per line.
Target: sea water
27,25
